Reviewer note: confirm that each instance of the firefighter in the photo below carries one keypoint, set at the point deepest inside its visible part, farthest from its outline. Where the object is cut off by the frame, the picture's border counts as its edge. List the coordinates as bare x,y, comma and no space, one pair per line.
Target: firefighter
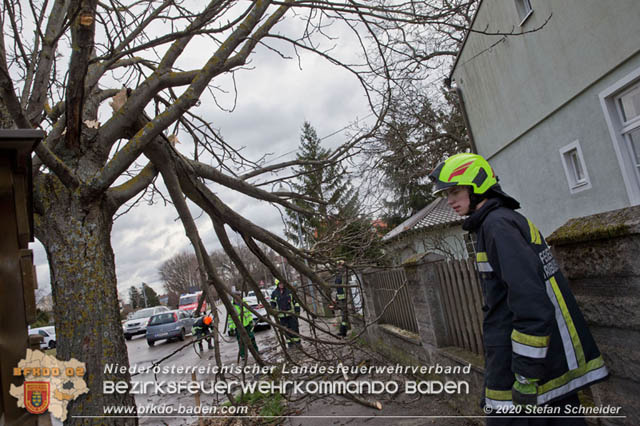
203,328
538,348
282,299
341,303
245,315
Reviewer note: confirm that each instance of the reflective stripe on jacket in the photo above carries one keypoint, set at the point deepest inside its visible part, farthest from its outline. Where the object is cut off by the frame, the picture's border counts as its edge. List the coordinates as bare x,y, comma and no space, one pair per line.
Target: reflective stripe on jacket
244,314
284,301
200,327
532,324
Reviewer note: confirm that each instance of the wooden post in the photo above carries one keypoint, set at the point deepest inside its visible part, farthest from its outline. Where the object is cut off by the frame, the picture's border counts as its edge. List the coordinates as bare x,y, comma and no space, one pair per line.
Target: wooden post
17,275
197,398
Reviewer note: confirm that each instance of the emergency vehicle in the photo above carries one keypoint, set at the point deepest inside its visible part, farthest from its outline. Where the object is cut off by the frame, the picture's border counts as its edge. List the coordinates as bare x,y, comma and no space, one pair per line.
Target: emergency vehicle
189,302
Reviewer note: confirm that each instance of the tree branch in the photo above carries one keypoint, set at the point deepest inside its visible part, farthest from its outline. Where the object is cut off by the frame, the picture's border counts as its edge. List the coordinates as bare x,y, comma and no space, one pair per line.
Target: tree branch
122,193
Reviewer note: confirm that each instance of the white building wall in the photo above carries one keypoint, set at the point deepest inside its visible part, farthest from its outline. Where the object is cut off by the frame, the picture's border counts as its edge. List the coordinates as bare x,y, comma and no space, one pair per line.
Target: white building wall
448,242
522,79
528,96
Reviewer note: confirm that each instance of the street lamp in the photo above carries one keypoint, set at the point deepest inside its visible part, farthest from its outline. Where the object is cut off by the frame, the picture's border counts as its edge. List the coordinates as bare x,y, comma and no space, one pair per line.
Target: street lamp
284,268
144,295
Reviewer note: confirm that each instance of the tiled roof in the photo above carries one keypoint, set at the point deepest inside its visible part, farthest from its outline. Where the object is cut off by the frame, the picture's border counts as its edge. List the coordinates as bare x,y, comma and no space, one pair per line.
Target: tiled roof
437,213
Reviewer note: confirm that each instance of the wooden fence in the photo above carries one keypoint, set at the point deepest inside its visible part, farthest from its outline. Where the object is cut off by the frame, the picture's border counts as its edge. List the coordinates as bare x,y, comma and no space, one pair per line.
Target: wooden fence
462,299
391,299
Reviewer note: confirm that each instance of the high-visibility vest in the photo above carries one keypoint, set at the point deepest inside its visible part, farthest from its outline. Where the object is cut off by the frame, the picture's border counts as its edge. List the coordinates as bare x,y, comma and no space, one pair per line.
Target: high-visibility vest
245,316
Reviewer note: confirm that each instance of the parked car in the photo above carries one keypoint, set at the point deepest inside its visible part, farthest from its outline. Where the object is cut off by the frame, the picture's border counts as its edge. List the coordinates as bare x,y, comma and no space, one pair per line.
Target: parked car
137,323
266,293
169,325
48,336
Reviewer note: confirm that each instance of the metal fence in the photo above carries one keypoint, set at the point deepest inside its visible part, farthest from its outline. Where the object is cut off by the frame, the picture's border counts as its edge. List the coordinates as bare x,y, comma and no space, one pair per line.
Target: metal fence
462,299
391,299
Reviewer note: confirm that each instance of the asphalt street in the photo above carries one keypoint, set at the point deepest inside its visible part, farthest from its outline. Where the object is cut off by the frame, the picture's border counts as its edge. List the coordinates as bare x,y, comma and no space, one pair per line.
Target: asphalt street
142,356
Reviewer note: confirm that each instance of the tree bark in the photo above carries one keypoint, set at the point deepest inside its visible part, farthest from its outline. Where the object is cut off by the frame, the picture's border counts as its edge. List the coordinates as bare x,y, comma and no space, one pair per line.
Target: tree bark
76,235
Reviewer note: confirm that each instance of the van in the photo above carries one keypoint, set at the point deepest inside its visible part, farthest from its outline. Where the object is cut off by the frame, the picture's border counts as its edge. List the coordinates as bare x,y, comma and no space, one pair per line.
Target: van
189,302
48,336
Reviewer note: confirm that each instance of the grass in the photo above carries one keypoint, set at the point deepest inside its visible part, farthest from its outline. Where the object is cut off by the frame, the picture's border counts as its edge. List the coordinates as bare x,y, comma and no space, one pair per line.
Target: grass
273,406
269,405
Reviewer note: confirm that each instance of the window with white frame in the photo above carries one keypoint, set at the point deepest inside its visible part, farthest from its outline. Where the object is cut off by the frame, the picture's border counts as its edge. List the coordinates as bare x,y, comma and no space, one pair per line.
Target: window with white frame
629,109
524,9
621,104
574,167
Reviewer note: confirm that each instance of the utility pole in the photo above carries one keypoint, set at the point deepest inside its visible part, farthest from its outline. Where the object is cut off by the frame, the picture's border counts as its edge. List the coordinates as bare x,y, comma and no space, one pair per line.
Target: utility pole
302,244
284,268
144,295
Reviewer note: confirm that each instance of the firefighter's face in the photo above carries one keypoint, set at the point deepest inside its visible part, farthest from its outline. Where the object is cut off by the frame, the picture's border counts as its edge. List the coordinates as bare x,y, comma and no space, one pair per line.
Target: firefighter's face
458,199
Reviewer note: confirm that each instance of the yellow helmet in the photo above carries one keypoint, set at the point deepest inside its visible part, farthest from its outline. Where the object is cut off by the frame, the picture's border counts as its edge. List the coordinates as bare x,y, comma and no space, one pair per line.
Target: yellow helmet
463,169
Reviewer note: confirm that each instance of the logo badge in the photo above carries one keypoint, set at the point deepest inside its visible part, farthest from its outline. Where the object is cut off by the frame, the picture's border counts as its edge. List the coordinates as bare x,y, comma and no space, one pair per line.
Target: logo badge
458,171
36,397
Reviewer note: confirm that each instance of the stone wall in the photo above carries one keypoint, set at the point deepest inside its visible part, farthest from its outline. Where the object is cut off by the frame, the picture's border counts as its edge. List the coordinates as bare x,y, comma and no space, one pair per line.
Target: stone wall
600,256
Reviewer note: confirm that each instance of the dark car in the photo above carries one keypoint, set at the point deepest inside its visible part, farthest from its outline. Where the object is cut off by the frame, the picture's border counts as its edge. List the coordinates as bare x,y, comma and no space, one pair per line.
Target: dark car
169,325
137,322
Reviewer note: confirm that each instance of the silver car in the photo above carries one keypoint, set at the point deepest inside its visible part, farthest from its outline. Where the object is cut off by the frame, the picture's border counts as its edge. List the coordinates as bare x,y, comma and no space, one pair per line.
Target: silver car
169,325
137,323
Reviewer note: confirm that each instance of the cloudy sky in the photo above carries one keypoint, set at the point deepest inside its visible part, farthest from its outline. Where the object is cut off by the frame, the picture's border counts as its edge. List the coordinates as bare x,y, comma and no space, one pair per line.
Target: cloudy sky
274,99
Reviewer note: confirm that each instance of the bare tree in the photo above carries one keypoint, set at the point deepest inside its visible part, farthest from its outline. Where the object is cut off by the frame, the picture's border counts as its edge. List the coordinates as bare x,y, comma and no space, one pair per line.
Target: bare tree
180,273
60,61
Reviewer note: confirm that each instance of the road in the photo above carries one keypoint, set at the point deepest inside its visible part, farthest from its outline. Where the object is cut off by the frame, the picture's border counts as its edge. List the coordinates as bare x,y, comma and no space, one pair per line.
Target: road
142,356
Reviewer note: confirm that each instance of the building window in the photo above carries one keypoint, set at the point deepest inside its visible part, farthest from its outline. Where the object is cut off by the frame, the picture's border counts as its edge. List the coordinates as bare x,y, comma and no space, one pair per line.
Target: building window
470,245
629,110
574,167
524,9
621,105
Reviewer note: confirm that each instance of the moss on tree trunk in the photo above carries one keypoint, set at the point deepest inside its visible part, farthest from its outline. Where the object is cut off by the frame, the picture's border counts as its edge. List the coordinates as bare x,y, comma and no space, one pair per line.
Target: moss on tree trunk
76,235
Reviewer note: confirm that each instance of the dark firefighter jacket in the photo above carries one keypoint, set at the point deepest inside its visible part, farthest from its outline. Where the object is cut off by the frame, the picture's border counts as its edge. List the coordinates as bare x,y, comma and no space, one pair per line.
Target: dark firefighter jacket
283,300
532,324
200,327
341,295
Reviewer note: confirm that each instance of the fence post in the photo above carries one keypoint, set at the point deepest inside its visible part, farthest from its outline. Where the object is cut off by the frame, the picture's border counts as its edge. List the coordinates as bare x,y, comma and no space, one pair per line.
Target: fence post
424,283
368,303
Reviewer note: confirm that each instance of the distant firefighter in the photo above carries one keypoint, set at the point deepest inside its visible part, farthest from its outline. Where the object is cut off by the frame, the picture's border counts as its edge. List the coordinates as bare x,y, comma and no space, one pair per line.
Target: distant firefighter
282,299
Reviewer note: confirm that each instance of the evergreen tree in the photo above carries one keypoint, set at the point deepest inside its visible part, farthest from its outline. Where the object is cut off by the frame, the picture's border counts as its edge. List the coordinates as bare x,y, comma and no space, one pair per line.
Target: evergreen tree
135,298
323,185
335,229
405,172
151,295
42,319
414,140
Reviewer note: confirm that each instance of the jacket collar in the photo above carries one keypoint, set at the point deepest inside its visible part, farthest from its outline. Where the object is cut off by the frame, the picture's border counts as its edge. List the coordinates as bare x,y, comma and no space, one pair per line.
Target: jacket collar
473,222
